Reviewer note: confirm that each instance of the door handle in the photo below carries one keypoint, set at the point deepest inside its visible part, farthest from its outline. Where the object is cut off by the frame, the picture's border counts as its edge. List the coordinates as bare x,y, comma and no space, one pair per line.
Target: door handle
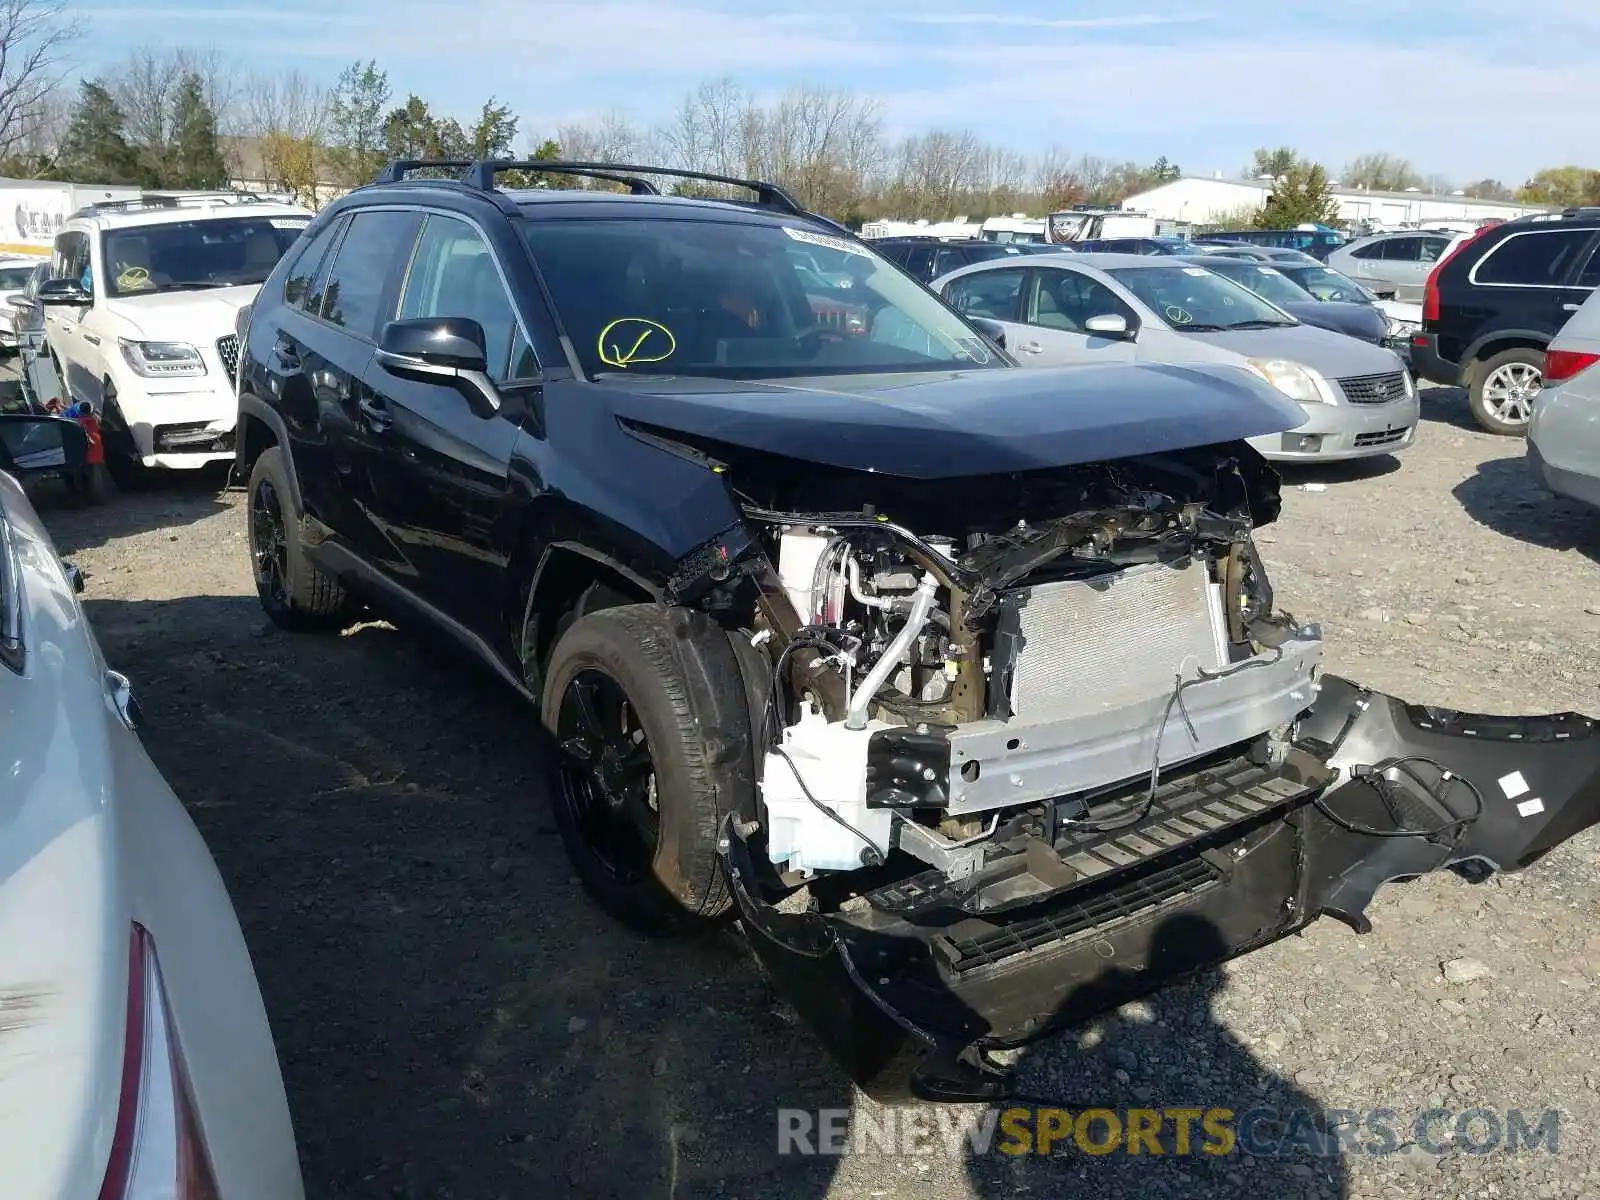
1031,348
91,339
1570,307
287,353
377,416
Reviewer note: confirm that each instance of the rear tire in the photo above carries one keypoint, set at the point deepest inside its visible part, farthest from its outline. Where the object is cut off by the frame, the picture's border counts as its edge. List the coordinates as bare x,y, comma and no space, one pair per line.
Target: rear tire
1500,397
294,593
652,746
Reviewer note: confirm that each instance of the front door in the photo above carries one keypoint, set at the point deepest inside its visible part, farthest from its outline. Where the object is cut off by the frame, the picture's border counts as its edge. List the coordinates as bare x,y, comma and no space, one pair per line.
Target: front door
1057,304
451,509
996,295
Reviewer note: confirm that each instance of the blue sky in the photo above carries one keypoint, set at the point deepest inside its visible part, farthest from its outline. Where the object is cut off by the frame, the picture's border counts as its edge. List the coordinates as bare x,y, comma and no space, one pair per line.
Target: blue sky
1467,88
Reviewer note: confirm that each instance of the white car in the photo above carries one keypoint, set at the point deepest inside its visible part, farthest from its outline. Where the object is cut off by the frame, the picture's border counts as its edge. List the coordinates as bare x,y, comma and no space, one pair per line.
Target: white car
141,315
14,272
1563,433
135,1056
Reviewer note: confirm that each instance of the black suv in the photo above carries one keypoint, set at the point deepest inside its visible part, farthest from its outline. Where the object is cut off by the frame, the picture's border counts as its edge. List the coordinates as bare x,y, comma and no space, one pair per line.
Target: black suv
1495,302
834,618
929,257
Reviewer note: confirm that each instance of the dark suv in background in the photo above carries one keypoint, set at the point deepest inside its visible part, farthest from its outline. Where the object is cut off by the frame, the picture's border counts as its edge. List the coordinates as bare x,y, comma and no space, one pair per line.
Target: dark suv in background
929,257
1494,303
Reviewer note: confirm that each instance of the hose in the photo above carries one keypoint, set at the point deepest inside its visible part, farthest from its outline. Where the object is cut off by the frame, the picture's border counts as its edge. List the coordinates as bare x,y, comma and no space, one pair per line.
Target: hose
855,717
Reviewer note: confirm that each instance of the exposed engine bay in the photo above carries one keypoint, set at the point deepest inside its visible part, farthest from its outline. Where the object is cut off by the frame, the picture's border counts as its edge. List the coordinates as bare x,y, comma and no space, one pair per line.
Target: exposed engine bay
1029,746
988,692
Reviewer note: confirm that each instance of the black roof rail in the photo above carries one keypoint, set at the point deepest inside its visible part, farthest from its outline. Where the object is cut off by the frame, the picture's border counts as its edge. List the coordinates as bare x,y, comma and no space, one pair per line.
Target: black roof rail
396,171
770,195
1582,210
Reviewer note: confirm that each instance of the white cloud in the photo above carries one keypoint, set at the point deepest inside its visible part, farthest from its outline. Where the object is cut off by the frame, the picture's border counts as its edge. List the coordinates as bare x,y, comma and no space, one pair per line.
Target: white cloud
1019,21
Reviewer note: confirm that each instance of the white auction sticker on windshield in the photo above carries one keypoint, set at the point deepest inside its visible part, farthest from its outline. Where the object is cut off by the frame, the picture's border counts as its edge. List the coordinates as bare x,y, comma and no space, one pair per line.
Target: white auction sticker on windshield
1268,270
289,222
1195,271
828,240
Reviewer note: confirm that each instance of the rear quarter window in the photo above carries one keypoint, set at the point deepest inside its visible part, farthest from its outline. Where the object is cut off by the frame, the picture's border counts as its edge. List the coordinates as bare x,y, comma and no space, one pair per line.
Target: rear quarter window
1537,258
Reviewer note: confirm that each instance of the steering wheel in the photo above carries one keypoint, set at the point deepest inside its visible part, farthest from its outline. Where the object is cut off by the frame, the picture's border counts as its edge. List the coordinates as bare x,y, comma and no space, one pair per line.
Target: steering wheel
815,335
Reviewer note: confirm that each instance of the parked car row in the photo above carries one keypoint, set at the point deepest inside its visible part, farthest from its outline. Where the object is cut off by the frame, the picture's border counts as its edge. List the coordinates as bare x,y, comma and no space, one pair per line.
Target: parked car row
809,574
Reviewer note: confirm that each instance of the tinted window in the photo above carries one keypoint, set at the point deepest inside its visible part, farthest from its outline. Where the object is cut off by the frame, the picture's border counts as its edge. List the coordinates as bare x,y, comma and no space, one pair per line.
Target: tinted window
454,275
376,247
1264,280
71,259
14,279
1542,257
987,294
895,252
188,255
1590,275
1370,250
1065,300
1433,247
950,258
303,272
725,299
1402,249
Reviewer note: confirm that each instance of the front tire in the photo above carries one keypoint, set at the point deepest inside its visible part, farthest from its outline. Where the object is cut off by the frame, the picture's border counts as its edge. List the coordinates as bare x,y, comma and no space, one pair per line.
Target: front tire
294,593
1503,388
651,728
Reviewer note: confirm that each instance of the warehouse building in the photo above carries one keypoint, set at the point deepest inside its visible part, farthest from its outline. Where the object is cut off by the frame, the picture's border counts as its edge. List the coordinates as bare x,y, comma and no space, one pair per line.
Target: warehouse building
1198,201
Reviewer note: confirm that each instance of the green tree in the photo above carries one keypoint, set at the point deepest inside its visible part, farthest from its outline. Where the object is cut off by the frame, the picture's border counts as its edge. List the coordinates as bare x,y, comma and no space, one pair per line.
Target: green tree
194,159
1381,173
494,132
409,131
1562,187
1299,197
95,147
1164,171
356,123
1274,163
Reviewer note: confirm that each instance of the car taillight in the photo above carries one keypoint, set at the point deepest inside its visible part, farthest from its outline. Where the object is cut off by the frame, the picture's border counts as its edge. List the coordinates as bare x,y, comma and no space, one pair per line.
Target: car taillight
1564,364
1430,291
157,1149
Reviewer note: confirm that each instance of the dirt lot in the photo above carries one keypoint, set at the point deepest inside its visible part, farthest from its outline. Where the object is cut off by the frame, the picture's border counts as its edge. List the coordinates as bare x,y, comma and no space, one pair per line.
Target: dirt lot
455,1020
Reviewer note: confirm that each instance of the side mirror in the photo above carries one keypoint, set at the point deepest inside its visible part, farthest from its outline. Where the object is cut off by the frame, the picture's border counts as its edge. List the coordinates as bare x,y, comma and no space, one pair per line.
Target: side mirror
32,443
1109,325
447,350
990,329
64,292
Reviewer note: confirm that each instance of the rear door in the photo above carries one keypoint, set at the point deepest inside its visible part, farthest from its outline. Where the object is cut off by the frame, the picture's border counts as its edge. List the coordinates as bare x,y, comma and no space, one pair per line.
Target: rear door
1057,304
995,294
63,323
328,343
1533,281
447,506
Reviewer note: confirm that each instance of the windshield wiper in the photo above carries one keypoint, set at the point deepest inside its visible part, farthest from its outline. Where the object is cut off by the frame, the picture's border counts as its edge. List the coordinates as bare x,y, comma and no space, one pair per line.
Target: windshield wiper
1259,325
186,284
1193,327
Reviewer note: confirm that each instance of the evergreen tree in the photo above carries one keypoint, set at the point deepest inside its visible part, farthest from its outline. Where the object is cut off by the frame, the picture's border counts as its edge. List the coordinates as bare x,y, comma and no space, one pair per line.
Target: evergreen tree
1299,197
356,123
194,160
95,148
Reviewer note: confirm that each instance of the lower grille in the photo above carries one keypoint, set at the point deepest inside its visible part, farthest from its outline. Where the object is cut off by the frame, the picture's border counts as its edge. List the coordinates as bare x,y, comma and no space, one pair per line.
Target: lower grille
1070,920
195,437
1374,389
228,352
1381,439
1092,645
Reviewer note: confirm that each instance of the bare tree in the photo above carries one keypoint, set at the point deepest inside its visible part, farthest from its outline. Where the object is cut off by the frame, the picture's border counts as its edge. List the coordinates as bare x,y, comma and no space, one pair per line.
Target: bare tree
147,83
705,133
818,142
612,138
290,102
34,36
1381,173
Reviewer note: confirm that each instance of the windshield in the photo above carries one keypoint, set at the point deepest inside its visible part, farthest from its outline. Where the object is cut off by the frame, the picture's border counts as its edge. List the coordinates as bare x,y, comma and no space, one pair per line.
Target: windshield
1265,281
1193,299
180,255
737,300
14,279
1326,284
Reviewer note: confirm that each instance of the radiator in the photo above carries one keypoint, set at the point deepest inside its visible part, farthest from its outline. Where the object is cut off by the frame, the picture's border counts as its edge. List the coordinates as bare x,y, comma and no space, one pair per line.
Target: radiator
1090,646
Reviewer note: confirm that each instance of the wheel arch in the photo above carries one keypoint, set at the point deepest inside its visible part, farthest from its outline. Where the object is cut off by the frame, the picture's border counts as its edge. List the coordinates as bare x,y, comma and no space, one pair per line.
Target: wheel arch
1498,342
260,427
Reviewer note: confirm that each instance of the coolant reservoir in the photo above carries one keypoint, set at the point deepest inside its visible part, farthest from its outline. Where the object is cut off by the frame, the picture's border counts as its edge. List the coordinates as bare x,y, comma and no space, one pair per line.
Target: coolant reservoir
798,553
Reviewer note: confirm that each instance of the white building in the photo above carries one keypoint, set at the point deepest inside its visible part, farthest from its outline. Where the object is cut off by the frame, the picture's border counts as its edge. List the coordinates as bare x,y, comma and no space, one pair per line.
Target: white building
1200,201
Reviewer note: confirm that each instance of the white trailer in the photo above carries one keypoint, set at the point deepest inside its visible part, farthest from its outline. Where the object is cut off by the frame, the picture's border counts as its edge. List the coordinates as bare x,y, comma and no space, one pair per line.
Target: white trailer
32,211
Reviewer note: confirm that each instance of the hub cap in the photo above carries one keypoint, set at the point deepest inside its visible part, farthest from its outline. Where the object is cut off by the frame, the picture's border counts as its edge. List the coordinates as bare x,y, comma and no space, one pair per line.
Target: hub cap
269,547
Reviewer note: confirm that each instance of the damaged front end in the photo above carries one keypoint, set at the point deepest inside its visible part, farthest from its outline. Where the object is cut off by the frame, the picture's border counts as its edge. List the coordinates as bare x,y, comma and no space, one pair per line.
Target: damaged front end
1010,742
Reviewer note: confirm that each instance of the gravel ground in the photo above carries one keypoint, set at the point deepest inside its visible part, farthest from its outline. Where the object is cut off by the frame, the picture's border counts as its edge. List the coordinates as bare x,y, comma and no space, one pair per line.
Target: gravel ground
456,1020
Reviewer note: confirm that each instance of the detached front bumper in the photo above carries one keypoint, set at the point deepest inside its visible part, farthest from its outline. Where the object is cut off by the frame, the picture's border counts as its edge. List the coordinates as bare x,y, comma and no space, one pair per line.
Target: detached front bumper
908,969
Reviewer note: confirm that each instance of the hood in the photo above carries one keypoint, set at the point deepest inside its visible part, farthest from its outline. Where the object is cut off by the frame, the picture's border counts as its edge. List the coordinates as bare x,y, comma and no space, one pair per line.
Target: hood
1357,320
1332,355
965,423
188,316
1400,310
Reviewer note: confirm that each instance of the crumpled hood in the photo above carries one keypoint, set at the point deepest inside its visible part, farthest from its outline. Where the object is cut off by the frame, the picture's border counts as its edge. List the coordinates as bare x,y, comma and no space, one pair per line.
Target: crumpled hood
960,423
190,316
1330,354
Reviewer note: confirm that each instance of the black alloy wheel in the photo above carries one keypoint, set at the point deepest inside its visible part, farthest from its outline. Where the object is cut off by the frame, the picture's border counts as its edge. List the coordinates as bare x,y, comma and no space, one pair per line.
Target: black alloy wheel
607,776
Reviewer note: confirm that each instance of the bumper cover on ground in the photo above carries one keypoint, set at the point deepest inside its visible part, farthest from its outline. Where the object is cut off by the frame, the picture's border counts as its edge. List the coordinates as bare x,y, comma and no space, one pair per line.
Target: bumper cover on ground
884,983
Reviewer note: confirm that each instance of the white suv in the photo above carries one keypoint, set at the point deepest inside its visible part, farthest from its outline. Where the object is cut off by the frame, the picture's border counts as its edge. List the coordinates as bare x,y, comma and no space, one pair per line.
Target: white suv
140,318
